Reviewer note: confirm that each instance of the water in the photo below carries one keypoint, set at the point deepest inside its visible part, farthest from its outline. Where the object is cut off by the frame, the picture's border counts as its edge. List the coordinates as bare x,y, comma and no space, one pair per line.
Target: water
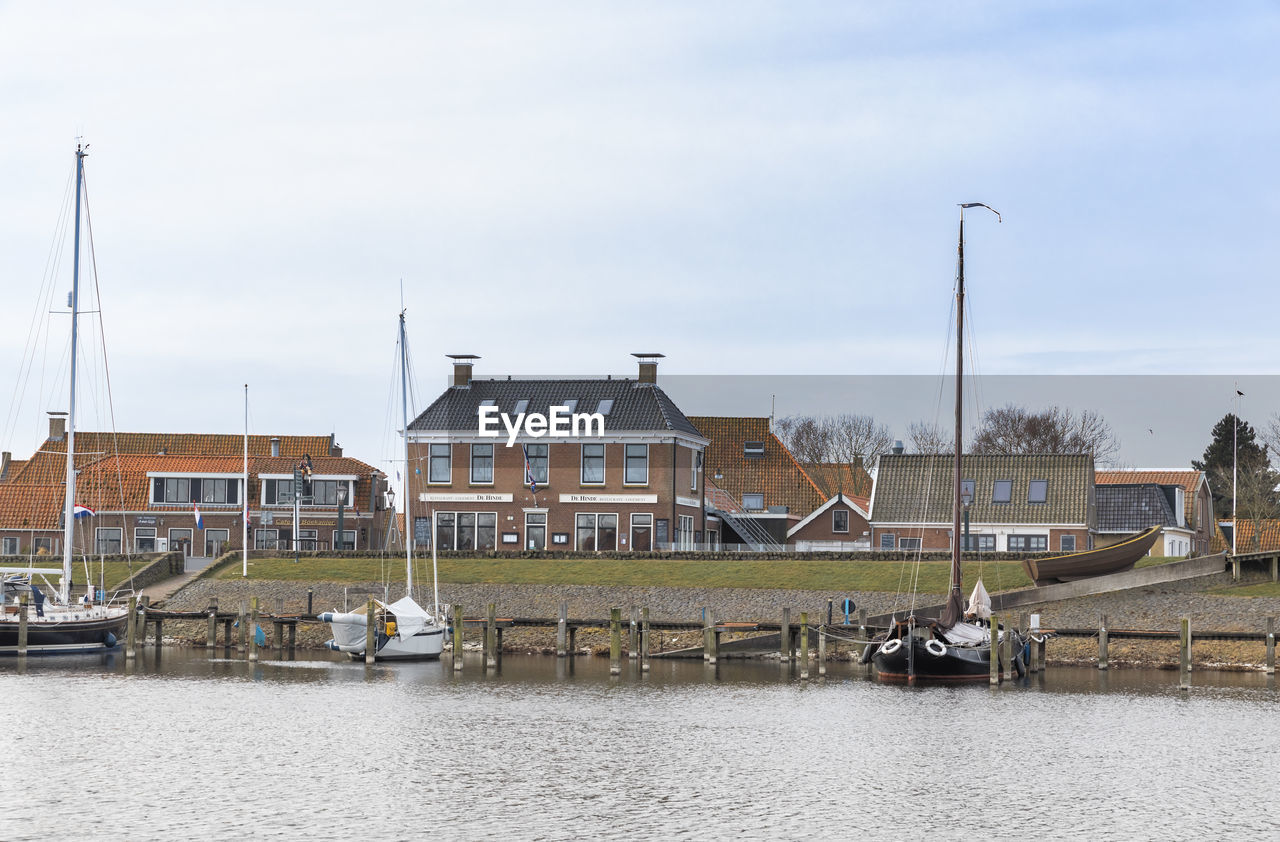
199,747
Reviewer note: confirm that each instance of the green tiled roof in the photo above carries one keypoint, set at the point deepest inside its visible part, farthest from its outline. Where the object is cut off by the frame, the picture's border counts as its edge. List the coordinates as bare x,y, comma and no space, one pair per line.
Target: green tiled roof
917,488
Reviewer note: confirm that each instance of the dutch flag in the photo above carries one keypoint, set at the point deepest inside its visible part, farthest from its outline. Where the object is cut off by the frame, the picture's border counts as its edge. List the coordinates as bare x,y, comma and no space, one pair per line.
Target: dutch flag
199,520
528,471
79,511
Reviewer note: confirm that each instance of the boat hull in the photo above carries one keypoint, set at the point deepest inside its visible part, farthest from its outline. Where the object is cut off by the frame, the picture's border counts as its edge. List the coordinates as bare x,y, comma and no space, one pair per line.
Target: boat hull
956,663
1100,562
64,636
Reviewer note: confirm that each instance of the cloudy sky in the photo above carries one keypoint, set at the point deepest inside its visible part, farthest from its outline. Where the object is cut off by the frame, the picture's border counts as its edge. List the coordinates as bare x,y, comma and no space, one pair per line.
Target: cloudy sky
750,188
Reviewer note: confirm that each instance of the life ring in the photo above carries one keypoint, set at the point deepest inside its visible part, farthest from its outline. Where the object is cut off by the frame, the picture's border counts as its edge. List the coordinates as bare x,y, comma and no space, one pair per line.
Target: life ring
889,647
936,648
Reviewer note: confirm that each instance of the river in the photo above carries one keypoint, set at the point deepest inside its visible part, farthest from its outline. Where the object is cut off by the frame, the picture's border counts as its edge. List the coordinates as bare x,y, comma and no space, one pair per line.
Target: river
206,747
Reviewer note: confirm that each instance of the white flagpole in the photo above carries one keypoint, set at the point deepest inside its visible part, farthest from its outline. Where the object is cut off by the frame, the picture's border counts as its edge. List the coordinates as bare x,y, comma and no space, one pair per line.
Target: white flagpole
244,538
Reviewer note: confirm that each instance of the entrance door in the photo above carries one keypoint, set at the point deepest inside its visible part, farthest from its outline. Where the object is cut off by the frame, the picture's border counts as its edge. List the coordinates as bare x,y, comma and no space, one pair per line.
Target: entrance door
215,541
180,541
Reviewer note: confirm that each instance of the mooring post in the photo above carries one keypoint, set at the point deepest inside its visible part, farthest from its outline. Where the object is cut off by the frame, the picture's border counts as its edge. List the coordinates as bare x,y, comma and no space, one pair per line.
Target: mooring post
644,640
370,632
1007,648
253,632
241,627
22,623
995,650
615,641
573,640
491,636
1271,646
277,633
211,639
1033,629
1235,568
822,649
804,645
159,635
562,631
1102,642
293,636
1184,659
633,638
144,603
131,629
713,635
706,637
457,638
226,632
1275,568
784,635
862,635
310,594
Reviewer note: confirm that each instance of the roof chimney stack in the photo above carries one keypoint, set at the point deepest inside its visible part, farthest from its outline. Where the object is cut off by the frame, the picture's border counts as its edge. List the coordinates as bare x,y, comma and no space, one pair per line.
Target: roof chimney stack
897,447
462,368
57,426
648,366
275,446
5,459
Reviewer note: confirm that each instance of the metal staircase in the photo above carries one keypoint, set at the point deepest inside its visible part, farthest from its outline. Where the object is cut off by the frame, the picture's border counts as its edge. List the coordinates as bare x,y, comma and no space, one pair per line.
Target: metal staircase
721,504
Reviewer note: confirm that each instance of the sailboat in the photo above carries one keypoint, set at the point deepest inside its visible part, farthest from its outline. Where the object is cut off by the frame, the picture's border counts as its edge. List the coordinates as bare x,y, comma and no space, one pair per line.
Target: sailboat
951,648
55,623
415,634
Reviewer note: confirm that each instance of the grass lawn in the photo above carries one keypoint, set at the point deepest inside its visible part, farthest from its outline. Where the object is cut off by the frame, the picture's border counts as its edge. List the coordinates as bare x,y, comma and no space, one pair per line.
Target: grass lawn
1259,589
780,575
1153,560
117,572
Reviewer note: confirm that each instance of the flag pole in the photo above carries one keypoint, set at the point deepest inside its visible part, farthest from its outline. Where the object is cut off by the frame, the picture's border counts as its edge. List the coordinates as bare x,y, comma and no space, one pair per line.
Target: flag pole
244,537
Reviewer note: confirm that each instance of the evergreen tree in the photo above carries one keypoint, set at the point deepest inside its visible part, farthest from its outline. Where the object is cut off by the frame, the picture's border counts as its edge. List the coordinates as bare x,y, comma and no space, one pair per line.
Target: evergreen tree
1250,460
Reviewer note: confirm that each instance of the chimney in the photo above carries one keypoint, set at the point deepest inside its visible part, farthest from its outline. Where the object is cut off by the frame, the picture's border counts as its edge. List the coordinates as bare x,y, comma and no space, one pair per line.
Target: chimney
275,446
57,426
648,366
462,367
897,447
5,459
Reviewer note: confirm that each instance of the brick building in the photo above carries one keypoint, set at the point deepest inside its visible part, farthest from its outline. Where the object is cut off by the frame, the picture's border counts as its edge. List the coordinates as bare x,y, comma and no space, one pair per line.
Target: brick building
632,482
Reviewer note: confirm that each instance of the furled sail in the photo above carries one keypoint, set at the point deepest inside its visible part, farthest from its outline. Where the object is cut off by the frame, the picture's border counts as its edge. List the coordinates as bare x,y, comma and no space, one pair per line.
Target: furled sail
979,603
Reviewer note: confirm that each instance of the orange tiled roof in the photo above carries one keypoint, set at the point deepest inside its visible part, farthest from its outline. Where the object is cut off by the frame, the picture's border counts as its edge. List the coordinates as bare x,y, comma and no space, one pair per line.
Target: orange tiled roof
30,506
15,466
1269,537
191,444
836,477
46,468
1189,480
778,476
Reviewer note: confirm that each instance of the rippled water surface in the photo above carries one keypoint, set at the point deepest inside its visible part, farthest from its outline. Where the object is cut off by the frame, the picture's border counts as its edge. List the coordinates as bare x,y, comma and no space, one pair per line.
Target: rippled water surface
199,747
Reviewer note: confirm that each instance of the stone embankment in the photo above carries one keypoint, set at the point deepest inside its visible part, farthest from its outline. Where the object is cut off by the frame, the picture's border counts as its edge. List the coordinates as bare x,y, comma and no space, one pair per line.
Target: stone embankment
1155,607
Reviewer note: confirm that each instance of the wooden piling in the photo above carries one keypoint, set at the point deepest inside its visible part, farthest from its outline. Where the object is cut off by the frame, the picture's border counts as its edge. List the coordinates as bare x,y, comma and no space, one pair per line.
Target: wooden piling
1184,654
822,649
784,635
862,635
633,637
615,641
310,594
131,629
1275,568
573,640
713,636
253,632
277,634
22,624
804,645
226,632
1007,648
457,638
241,619
644,640
995,650
490,638
159,634
211,637
562,631
144,602
706,636
1102,642
370,632
1235,568
293,637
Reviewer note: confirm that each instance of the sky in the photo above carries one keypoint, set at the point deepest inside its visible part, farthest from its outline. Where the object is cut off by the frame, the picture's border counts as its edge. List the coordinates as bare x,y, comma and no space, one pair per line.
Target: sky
753,189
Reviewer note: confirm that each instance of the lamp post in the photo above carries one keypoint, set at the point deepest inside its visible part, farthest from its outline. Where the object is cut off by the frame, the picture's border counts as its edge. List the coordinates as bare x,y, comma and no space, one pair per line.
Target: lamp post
342,502
391,507
966,498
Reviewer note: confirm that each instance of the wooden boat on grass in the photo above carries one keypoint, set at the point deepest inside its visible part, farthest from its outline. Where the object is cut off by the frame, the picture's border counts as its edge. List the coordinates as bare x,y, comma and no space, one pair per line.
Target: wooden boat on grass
1116,558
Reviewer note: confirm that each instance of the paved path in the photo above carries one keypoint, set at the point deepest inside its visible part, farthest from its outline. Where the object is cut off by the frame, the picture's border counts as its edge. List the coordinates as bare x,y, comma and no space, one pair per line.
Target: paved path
162,590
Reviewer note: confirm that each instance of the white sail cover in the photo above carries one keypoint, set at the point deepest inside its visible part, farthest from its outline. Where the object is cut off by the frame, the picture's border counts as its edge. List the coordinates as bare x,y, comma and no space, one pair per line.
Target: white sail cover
979,603
411,617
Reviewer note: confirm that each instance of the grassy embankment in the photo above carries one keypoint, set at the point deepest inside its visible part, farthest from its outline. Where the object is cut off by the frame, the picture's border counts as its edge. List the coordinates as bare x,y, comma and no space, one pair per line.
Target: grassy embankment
115,574
1271,589
840,575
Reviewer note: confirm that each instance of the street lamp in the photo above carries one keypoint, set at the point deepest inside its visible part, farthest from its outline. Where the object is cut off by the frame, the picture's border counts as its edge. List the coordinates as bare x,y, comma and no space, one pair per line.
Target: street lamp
391,507
342,502
966,498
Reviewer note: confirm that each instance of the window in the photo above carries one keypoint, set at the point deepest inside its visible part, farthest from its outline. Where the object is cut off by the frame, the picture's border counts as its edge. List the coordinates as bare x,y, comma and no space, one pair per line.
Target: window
886,540
482,463
586,528
607,532
753,449
8,546
108,540
439,464
488,402
592,464
979,543
537,462
38,544
307,539
1028,543
1002,491
486,530
324,492
1038,491
1067,543
444,530
695,457
466,530
522,405
908,543
641,533
345,541
571,404
266,539
144,539
535,531
171,490
684,532
636,471
605,406
840,520
753,502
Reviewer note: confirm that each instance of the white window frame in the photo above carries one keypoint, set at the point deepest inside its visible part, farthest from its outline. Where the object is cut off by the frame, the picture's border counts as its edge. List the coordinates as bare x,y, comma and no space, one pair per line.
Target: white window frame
889,538
1062,543
643,520
528,524
355,537
262,542
1031,485
694,455
99,531
448,460
471,464
752,494
140,532
10,546
684,532
626,465
835,527
546,462
582,463
910,543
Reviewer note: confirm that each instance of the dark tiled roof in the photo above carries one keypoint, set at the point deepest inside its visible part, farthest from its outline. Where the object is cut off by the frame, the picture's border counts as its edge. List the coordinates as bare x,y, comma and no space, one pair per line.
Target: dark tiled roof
1188,479
1133,508
917,488
637,407
776,475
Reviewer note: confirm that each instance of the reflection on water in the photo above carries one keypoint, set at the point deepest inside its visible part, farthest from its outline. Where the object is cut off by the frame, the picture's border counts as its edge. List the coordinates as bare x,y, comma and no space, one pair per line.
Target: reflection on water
555,748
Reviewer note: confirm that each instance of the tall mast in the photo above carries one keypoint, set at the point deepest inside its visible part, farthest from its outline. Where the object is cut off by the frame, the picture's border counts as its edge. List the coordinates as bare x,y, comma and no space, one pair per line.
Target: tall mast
68,509
404,410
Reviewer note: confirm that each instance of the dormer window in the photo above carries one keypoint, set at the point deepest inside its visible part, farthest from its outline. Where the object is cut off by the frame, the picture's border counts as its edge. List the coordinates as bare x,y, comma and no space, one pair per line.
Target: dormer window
522,405
1002,492
1038,491
753,502
571,404
605,406
487,402
753,449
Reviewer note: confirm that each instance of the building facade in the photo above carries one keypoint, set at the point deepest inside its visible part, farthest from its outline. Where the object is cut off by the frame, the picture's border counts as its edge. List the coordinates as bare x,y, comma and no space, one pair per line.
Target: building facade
1193,499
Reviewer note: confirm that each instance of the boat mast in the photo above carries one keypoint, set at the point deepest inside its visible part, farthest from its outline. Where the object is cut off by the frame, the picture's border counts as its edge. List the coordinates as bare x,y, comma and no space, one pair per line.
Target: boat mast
404,410
68,508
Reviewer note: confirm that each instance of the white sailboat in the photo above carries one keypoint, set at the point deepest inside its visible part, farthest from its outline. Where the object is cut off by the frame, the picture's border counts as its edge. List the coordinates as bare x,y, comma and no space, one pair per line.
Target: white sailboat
415,634
56,624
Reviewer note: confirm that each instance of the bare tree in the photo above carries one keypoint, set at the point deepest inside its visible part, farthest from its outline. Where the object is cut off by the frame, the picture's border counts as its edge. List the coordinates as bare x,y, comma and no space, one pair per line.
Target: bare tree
831,446
1012,429
929,438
